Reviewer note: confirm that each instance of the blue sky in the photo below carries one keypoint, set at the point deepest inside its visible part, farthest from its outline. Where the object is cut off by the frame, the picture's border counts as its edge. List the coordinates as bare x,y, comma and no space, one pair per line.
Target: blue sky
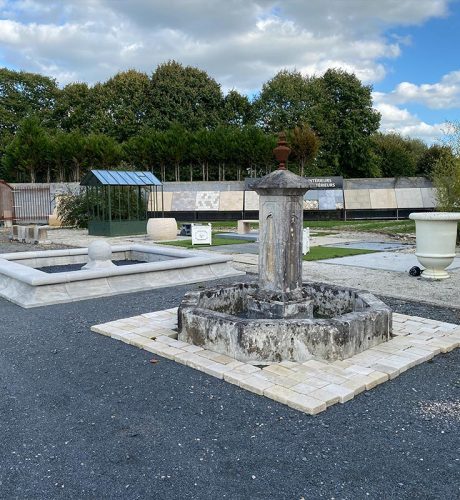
406,49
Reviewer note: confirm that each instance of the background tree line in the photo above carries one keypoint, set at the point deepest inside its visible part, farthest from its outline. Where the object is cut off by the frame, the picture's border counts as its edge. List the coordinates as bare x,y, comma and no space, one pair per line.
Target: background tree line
178,123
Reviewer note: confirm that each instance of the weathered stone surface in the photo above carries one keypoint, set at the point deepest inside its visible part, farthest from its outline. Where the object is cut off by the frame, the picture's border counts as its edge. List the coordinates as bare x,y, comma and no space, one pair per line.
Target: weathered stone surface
349,322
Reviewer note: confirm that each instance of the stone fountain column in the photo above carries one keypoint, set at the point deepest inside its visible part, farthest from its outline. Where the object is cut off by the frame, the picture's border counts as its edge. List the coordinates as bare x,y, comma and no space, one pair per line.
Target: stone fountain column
280,242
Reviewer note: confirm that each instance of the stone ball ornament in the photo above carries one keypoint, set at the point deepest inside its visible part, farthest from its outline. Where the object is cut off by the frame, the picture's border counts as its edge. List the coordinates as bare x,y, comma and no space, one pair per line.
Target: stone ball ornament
99,255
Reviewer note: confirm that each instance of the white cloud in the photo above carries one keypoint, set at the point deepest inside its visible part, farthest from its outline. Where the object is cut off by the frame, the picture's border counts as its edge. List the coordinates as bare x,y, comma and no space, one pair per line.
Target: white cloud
444,94
241,43
401,121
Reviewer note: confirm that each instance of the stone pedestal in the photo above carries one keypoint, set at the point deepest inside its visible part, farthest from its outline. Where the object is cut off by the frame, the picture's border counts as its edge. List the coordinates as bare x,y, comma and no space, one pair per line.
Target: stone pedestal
280,235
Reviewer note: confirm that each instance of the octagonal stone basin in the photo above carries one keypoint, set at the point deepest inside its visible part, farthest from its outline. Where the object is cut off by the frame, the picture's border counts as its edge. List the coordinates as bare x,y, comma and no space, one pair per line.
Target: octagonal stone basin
345,322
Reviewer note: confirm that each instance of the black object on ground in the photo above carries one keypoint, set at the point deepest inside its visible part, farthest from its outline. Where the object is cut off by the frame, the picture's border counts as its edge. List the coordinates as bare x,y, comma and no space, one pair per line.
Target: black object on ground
415,271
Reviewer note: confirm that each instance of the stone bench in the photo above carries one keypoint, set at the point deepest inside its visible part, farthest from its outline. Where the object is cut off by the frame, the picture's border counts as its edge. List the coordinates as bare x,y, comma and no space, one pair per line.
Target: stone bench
244,225
29,234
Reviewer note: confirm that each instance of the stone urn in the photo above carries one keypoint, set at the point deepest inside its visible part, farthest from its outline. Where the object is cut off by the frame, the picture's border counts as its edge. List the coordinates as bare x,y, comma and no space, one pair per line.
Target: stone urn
436,234
162,229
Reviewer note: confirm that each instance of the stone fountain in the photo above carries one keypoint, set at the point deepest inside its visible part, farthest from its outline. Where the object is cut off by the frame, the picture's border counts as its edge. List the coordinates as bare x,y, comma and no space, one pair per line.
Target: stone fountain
280,317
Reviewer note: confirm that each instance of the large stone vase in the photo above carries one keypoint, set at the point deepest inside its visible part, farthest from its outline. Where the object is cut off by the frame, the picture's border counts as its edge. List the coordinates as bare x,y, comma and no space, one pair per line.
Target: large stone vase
436,234
162,229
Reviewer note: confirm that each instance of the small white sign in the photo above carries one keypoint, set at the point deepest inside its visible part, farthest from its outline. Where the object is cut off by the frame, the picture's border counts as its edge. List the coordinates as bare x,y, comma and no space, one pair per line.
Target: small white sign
306,241
201,234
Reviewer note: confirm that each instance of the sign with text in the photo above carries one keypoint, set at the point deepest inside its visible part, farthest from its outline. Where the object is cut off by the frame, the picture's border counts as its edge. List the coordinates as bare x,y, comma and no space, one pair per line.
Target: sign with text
333,182
325,182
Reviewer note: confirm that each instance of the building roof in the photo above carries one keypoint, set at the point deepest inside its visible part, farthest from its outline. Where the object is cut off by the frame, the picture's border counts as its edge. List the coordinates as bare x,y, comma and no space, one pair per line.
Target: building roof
119,178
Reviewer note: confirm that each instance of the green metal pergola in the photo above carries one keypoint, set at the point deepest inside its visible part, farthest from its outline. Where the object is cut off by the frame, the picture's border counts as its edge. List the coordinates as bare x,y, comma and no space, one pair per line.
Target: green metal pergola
118,201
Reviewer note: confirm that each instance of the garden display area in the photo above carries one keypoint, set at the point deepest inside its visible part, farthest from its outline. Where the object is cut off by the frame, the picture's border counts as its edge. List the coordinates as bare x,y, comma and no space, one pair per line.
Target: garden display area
134,412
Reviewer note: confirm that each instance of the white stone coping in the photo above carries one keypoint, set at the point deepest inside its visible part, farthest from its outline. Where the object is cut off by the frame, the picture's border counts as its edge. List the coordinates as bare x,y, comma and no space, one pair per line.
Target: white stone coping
434,216
310,387
183,259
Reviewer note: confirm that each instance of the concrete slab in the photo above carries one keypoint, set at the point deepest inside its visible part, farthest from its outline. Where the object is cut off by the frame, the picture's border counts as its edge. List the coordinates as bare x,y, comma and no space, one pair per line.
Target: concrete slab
387,261
379,246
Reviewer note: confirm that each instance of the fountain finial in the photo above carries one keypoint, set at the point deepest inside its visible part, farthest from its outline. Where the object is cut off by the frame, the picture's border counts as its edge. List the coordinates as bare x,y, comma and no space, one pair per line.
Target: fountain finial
282,151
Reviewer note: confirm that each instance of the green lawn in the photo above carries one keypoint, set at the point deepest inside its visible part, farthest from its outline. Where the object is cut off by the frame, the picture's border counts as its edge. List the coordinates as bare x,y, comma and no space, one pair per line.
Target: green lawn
403,226
216,241
319,253
378,226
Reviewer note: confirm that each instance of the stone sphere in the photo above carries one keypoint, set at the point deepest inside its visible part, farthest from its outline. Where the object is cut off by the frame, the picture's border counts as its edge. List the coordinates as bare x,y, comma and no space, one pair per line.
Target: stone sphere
99,250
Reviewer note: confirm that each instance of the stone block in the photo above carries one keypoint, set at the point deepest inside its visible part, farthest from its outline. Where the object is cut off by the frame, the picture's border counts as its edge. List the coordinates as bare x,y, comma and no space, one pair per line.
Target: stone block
306,404
382,198
251,200
231,201
183,201
207,200
356,199
256,384
409,198
428,197
279,393
326,200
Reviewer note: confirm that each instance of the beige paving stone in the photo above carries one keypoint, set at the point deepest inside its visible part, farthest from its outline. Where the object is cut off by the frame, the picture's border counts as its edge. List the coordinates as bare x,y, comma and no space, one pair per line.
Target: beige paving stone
357,384
279,393
305,403
162,349
235,377
123,336
246,368
192,348
363,370
304,388
255,384
289,364
215,356
344,393
187,358
216,370
312,363
329,398
391,371
171,342
101,329
445,344
279,370
374,379
315,381
401,362
286,381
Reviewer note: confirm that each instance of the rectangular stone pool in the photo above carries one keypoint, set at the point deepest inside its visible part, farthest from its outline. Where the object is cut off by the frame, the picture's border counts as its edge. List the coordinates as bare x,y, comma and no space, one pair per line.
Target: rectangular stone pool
23,283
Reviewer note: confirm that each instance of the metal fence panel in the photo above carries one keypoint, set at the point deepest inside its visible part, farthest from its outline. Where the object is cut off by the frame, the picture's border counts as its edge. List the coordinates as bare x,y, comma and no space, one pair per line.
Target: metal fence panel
32,204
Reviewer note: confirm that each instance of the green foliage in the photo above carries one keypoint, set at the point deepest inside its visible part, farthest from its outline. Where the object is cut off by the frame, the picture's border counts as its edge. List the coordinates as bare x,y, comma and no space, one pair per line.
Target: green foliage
237,110
446,179
29,154
123,105
23,95
304,145
178,123
393,156
184,95
430,157
73,209
344,120
284,102
77,208
75,108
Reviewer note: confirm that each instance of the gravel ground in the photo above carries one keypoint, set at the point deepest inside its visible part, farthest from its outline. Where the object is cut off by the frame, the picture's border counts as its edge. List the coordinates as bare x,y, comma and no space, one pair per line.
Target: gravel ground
84,416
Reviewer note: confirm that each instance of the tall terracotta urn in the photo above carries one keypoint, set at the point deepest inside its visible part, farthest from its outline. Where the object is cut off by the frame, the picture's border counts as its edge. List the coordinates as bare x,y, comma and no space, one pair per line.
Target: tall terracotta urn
436,234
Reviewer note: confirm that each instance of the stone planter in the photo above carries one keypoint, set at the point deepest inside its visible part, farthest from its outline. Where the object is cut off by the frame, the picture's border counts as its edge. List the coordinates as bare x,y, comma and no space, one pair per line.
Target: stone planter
162,229
436,234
